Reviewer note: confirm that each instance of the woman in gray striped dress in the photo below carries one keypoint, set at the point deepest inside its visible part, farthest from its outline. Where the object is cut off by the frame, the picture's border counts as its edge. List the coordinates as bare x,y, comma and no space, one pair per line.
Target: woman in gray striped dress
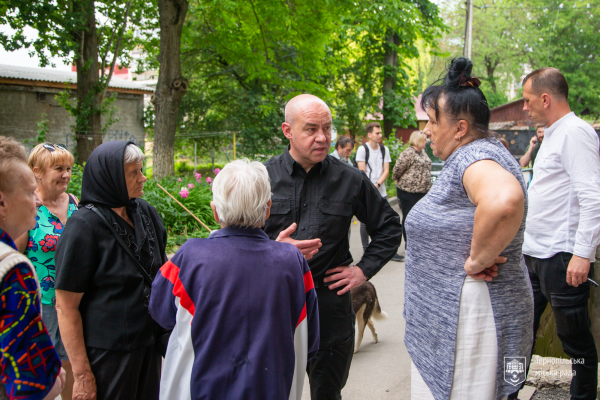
468,301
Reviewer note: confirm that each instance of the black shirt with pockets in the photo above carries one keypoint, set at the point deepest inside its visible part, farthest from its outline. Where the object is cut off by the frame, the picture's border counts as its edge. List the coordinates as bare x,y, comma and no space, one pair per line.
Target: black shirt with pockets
322,202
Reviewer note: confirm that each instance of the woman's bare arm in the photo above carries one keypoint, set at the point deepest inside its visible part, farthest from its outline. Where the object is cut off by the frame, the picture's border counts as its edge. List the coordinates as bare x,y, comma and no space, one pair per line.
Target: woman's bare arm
500,204
58,386
71,332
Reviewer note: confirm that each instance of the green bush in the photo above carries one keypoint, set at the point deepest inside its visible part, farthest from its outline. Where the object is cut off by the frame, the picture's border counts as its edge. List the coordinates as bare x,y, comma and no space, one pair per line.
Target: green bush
396,147
183,167
180,225
206,169
75,183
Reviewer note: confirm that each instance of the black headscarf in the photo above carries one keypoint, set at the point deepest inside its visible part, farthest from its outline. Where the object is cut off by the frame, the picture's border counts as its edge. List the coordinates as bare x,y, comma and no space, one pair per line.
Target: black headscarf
104,185
103,182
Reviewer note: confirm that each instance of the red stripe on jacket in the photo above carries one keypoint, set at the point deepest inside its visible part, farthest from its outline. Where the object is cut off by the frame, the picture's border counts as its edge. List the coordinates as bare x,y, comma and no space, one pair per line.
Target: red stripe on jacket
302,315
308,282
171,272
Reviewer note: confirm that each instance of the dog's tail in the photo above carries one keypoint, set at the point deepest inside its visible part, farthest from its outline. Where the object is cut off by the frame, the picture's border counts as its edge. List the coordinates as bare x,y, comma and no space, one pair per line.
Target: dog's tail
377,313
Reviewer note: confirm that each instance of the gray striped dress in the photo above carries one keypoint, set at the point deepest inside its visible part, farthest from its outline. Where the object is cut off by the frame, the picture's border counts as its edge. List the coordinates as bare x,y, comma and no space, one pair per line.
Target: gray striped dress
439,230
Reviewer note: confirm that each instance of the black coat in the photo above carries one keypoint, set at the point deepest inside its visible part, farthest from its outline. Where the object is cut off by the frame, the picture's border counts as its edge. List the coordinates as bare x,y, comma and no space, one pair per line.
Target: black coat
89,260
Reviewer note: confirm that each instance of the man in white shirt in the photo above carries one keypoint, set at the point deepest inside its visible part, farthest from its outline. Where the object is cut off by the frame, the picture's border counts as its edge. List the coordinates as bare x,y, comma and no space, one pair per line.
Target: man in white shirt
563,222
374,159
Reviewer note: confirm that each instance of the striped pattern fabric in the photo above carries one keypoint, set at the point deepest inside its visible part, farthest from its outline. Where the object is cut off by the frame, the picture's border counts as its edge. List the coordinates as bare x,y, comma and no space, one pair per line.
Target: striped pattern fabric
439,229
244,315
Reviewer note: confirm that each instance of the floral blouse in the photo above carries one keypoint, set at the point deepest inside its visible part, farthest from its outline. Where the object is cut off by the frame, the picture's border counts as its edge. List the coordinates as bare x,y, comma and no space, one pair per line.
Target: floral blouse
41,246
29,364
413,171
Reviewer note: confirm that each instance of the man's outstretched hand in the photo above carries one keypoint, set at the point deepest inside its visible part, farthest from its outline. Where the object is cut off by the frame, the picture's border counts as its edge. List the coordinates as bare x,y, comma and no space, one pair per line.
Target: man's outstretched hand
308,248
348,276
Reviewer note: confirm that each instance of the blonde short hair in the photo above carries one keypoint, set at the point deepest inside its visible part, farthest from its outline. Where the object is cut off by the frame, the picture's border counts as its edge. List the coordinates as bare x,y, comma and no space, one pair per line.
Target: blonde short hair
241,192
12,153
43,158
417,138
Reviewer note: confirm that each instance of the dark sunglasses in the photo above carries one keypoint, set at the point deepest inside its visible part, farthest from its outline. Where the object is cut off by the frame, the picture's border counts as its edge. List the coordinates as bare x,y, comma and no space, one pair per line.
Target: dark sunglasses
52,147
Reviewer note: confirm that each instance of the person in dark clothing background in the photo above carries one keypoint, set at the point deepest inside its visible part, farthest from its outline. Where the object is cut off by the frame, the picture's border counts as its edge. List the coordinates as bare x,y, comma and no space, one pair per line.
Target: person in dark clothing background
101,294
343,149
534,146
313,202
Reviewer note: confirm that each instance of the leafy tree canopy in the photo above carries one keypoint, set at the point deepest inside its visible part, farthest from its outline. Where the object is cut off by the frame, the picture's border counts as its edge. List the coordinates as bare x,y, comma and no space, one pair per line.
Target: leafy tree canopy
245,60
514,37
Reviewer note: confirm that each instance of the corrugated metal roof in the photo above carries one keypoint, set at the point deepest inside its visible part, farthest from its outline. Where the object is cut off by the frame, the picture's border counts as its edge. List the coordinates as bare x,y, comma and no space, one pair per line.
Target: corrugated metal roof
53,75
509,104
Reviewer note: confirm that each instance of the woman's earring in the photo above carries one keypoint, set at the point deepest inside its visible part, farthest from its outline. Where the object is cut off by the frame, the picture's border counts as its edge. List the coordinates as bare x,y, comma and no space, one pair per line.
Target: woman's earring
458,140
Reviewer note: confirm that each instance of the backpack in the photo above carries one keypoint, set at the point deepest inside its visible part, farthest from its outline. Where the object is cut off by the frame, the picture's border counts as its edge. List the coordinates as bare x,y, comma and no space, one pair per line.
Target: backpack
382,148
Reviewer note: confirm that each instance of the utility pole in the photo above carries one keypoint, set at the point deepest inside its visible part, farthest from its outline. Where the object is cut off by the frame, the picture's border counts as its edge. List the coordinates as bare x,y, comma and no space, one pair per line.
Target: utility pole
468,30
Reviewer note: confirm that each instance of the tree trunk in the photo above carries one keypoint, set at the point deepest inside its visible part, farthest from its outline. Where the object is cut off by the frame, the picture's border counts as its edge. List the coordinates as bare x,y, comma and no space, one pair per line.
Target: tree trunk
171,85
389,81
89,123
490,67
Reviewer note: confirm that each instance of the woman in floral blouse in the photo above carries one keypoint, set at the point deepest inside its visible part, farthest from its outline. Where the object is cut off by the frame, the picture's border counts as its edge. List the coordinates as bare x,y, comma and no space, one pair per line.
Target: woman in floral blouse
51,164
412,174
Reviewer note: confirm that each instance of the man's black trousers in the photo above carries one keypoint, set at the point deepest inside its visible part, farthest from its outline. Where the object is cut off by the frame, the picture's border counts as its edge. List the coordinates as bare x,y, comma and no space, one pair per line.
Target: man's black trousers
328,370
407,201
570,308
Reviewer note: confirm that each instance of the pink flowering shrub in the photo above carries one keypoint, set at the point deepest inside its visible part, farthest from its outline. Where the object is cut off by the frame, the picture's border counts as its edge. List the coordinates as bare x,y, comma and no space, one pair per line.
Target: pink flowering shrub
178,222
178,179
190,185
209,180
198,176
217,170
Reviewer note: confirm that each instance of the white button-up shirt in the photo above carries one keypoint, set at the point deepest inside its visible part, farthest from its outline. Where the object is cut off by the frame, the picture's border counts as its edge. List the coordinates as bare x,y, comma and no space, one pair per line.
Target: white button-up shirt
564,196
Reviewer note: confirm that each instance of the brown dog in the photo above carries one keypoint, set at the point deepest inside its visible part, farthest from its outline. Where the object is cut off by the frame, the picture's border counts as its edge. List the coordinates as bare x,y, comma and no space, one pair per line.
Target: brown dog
366,305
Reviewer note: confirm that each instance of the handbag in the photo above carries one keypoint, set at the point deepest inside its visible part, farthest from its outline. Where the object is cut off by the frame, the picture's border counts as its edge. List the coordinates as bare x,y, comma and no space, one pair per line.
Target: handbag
161,335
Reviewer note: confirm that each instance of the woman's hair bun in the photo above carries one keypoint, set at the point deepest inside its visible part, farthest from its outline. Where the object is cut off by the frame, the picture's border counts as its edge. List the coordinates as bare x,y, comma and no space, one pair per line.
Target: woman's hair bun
460,67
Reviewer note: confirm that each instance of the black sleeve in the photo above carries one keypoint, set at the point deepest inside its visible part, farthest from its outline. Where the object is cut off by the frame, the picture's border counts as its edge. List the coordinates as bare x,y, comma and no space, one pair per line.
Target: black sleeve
383,226
76,255
161,233
159,228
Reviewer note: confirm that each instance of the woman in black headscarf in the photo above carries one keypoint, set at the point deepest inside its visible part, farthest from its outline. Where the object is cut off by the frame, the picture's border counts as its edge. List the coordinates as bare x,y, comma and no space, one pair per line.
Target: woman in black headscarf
113,245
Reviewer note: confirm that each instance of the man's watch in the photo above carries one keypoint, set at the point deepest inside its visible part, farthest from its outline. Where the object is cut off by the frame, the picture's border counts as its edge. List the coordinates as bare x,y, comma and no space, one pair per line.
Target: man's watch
378,184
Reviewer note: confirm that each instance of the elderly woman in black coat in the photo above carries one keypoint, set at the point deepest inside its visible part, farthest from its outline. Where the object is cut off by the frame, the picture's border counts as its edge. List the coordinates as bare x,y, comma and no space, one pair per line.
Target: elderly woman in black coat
109,250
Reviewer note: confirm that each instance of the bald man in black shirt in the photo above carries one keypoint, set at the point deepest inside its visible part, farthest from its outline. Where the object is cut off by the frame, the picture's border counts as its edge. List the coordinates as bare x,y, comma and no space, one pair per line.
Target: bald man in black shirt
314,199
